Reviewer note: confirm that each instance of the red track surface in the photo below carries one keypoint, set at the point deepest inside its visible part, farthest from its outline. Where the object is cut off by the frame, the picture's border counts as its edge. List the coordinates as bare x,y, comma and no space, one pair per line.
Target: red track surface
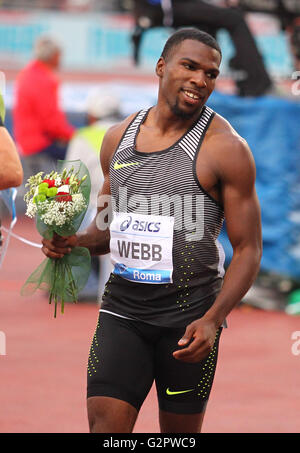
42,390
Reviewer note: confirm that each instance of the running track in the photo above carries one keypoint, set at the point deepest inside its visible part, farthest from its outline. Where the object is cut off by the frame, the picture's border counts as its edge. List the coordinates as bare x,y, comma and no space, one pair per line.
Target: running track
42,390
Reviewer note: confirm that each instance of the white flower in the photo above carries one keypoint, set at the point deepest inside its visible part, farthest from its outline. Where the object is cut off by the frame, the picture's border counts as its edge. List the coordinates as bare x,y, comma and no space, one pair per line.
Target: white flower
61,213
58,181
52,211
31,209
65,188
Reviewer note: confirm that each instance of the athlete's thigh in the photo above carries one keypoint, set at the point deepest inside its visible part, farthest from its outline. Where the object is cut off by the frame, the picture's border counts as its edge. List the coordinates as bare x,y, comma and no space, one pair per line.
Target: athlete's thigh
120,362
183,388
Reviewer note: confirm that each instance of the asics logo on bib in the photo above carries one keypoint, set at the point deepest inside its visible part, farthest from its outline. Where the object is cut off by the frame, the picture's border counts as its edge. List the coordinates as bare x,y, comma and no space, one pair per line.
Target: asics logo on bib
152,227
126,224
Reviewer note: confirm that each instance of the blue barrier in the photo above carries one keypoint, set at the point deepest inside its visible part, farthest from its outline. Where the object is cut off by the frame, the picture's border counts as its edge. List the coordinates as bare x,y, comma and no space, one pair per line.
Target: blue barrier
271,127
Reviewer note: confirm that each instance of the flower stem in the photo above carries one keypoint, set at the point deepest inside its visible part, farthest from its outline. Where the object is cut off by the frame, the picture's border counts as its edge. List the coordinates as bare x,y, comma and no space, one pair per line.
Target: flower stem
72,283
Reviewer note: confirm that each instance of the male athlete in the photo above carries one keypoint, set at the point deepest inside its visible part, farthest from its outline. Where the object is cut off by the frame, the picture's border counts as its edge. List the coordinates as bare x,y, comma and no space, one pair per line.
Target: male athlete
174,172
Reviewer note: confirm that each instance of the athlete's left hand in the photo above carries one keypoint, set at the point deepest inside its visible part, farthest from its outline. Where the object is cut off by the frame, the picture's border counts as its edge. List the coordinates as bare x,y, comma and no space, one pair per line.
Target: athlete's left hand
197,341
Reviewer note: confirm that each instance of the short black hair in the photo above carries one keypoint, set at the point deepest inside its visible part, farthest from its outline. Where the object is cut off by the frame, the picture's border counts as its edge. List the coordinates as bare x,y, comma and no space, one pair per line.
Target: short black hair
189,33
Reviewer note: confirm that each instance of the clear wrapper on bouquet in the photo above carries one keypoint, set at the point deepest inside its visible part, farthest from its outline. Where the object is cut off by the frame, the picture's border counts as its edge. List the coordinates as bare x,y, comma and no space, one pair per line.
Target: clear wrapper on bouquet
58,201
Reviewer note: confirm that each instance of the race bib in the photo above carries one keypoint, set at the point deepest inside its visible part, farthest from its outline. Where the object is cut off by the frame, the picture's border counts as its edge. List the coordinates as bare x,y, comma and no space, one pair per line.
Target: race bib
141,247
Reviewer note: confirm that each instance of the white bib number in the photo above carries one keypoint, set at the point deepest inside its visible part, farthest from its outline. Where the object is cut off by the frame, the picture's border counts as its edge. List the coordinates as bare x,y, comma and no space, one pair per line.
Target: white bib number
141,247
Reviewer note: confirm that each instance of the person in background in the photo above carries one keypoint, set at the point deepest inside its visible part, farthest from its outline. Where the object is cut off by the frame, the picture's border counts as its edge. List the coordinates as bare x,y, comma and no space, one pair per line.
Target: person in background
41,128
102,112
248,66
11,171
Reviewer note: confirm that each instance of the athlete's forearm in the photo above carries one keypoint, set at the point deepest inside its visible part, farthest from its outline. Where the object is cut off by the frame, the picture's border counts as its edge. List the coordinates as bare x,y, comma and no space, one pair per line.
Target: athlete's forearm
199,335
239,277
97,241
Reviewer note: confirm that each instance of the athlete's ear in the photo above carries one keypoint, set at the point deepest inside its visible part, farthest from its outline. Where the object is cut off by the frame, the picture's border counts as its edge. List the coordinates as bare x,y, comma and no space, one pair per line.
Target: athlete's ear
160,66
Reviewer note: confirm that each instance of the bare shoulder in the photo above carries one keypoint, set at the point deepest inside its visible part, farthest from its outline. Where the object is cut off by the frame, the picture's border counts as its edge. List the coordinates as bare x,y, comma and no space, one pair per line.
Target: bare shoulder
111,140
230,153
115,132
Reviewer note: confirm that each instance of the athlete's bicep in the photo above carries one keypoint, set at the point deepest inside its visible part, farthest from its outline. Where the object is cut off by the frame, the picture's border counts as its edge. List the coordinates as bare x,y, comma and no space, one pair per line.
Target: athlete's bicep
240,201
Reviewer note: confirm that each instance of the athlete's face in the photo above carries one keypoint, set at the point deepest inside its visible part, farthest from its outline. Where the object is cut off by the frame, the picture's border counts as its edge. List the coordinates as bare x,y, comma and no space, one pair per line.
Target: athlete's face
188,76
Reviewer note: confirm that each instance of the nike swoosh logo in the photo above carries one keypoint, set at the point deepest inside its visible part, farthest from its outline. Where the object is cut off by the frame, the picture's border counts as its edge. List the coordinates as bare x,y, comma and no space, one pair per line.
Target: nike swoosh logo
117,166
177,393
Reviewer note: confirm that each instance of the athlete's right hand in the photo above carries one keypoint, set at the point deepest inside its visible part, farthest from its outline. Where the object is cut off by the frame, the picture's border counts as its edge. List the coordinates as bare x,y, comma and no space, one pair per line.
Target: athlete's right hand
59,246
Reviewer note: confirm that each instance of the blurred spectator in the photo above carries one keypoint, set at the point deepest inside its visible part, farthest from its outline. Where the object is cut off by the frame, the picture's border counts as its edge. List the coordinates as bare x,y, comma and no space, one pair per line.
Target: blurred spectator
252,78
11,172
103,110
287,13
41,129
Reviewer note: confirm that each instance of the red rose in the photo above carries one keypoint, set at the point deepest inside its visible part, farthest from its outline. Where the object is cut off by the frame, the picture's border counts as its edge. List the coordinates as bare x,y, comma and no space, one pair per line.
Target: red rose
64,196
66,181
50,182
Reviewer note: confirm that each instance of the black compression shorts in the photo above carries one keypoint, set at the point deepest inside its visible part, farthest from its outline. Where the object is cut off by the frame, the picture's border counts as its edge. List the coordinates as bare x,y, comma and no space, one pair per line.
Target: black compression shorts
126,356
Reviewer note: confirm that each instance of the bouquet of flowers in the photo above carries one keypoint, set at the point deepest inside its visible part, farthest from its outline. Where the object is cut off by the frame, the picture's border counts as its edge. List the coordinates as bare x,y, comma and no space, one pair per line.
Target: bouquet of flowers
58,201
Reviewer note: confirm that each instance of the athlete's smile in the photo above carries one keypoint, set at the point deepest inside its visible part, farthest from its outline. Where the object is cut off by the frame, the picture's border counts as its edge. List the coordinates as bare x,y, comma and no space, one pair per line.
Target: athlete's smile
192,96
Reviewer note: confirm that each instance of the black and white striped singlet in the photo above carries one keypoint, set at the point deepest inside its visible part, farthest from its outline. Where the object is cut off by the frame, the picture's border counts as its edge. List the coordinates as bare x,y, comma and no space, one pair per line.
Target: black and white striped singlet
197,256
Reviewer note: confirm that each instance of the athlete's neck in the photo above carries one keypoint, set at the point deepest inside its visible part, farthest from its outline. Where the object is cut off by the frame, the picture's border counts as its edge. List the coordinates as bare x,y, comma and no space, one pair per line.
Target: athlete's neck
166,120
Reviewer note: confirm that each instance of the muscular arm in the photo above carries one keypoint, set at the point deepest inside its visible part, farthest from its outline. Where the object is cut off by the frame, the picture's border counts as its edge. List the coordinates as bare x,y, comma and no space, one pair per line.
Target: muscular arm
236,174
243,222
11,172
